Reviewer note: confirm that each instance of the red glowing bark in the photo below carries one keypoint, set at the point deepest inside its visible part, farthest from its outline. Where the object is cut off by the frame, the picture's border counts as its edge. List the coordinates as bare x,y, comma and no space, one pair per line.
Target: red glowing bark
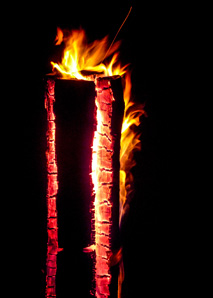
102,177
52,188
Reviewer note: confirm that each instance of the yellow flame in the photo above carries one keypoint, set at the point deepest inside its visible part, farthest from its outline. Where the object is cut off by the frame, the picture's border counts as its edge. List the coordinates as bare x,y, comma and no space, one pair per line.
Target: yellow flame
130,142
79,55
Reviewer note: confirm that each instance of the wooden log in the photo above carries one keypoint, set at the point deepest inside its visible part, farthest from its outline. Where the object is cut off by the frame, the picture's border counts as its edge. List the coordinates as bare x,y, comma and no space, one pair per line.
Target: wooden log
52,188
102,175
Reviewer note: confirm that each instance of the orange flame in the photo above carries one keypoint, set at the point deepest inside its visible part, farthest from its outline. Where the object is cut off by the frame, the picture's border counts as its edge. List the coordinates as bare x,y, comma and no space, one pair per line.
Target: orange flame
82,56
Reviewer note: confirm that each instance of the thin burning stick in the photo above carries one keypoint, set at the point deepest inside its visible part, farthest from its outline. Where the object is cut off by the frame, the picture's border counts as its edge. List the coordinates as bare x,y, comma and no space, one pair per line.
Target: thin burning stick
102,178
117,33
52,188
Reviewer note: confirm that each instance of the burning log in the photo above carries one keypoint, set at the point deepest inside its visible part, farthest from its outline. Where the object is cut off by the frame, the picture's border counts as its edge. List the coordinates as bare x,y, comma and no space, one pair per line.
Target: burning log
52,188
102,177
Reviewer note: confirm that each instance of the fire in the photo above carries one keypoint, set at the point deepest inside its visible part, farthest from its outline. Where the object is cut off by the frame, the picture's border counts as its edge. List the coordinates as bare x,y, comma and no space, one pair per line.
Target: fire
130,142
79,55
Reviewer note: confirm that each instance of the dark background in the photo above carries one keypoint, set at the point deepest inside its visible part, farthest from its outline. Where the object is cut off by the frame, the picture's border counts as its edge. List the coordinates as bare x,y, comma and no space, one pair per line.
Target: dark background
152,43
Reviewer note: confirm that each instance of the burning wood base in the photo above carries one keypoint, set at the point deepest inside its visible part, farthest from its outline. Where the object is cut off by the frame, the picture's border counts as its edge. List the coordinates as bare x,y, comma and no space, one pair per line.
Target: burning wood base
104,174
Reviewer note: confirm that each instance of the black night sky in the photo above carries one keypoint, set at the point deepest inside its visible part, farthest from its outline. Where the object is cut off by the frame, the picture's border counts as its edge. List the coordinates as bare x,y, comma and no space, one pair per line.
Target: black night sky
151,44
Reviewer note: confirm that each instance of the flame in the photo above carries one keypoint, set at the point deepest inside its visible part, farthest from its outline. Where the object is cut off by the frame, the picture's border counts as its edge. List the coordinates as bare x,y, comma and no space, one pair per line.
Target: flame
79,55
130,142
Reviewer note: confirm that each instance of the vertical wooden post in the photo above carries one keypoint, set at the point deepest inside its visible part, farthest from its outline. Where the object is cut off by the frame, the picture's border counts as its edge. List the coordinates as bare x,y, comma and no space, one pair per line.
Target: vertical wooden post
52,188
102,177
